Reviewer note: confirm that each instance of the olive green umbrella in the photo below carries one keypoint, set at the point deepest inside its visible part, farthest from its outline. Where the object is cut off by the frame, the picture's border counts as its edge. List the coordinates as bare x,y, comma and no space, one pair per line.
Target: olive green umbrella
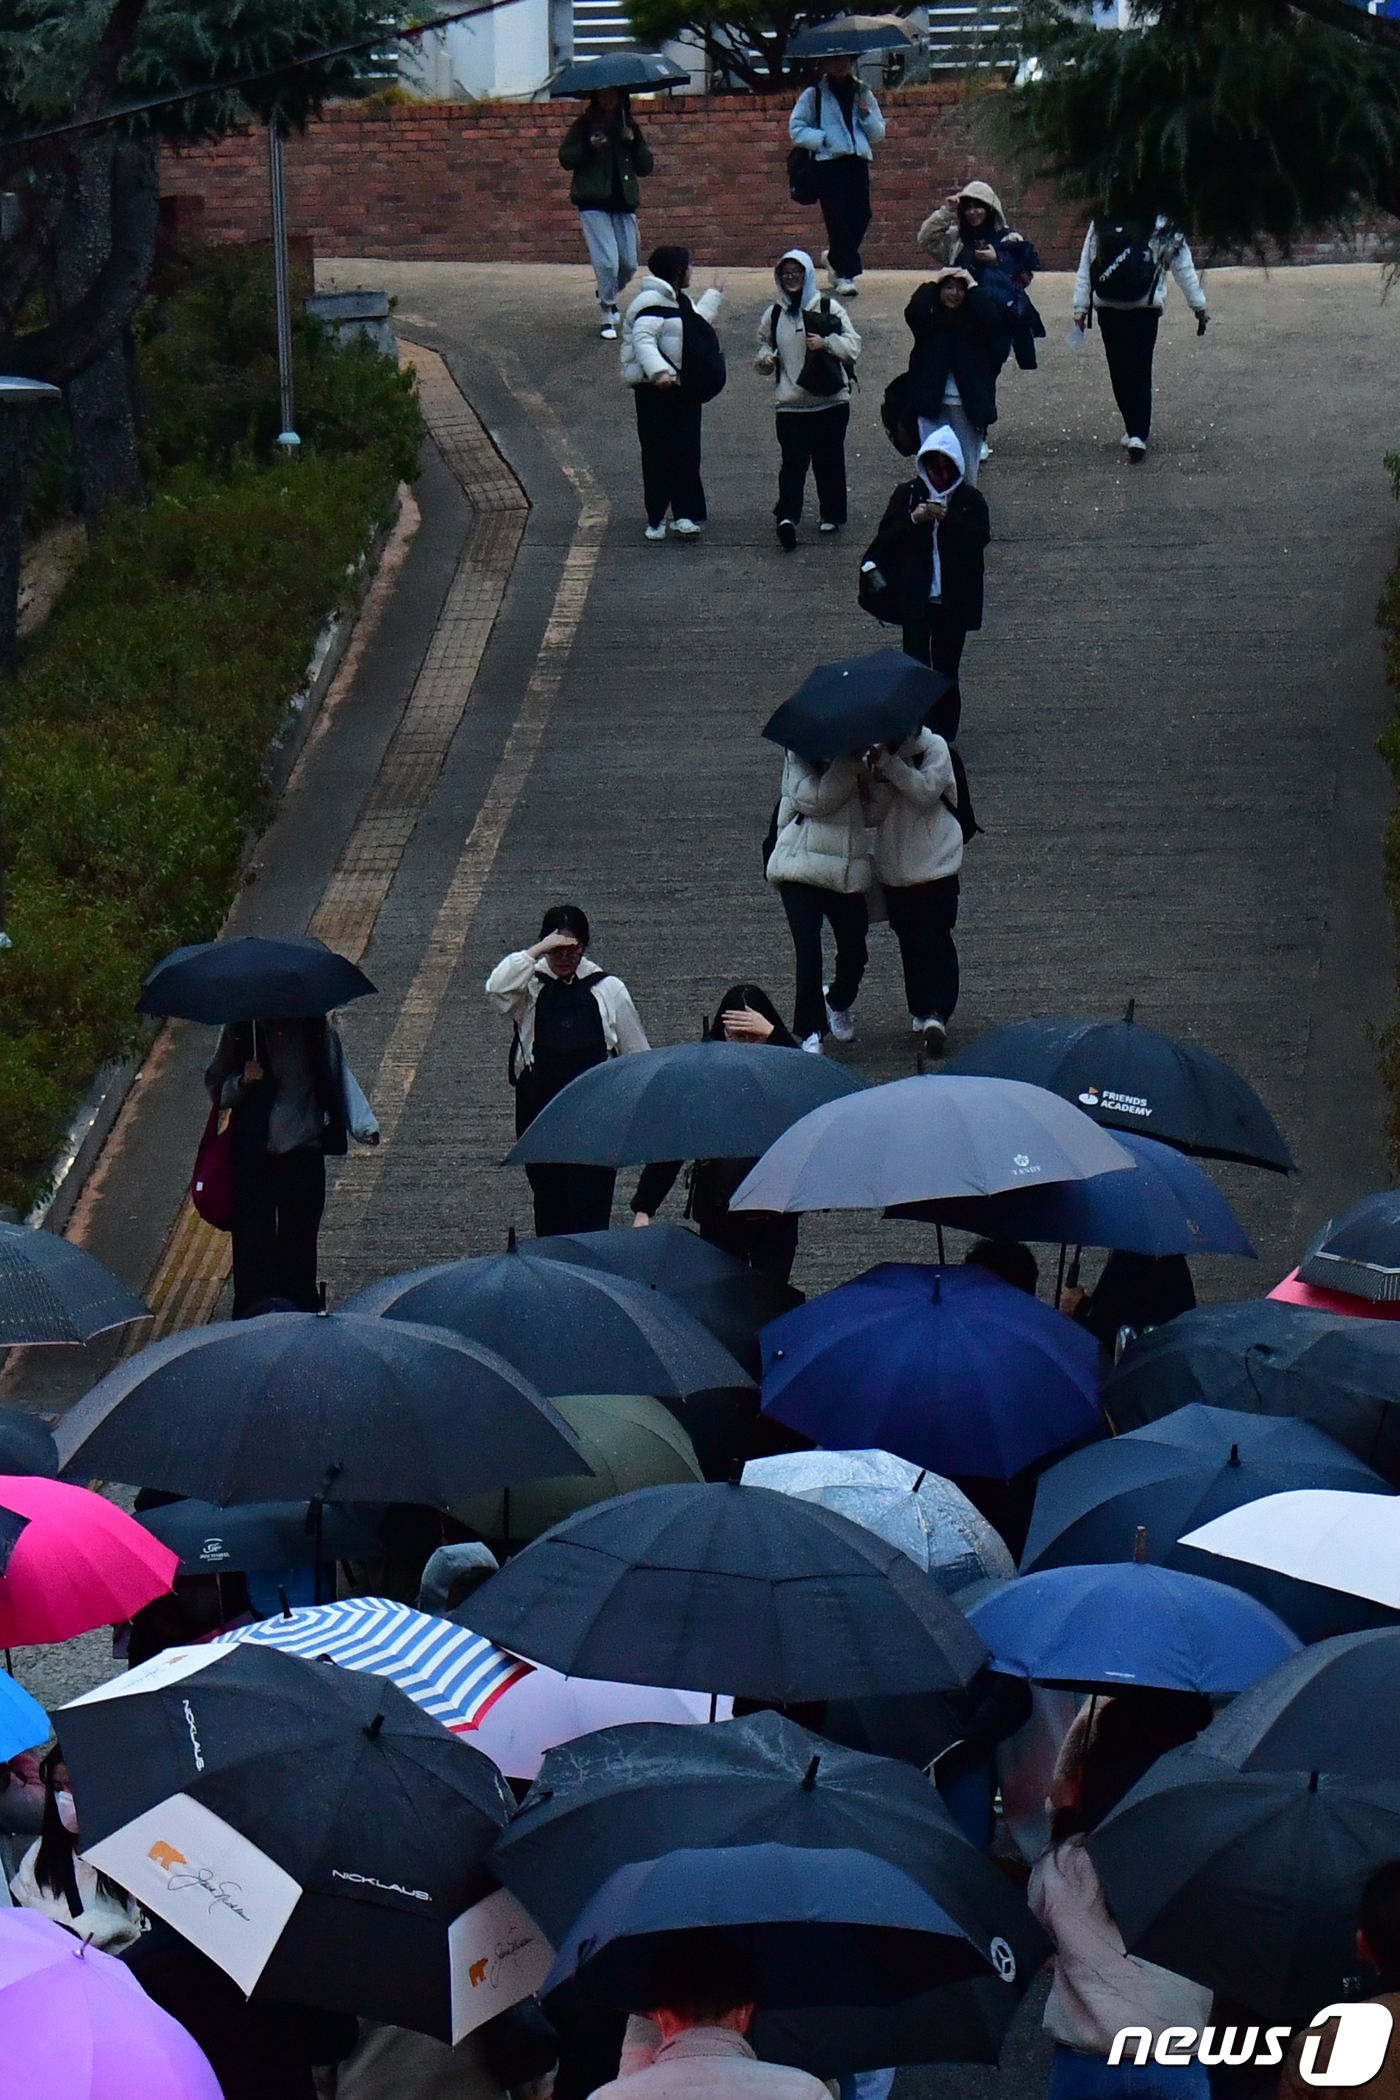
630,1441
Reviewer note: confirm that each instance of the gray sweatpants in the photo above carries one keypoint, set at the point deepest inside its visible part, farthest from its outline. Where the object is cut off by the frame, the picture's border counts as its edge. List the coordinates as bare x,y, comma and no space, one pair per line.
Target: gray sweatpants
612,249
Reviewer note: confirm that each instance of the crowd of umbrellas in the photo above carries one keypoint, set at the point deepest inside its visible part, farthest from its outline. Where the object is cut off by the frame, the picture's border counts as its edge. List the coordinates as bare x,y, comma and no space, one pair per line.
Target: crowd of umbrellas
424,1818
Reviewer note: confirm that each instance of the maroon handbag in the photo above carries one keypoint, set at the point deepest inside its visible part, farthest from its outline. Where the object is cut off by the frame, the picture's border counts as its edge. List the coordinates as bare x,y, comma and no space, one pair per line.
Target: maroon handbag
211,1185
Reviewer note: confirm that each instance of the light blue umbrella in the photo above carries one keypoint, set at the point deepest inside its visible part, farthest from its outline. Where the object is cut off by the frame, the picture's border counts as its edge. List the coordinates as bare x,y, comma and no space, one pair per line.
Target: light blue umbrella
23,1722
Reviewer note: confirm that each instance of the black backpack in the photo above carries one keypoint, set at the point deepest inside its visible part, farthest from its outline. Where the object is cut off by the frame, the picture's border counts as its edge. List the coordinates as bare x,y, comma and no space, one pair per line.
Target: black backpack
703,370
901,423
1124,269
963,811
568,1038
803,181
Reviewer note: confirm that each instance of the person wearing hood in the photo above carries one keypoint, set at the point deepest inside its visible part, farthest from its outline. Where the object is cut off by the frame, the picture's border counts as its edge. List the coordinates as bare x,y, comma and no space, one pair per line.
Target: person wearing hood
806,342
969,232
1123,272
924,568
958,329
918,851
605,153
838,120
669,410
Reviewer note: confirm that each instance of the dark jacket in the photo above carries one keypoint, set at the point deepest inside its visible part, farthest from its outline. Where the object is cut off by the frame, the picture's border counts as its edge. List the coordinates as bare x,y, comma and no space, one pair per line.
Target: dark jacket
903,552
253,1102
963,341
600,173
1021,326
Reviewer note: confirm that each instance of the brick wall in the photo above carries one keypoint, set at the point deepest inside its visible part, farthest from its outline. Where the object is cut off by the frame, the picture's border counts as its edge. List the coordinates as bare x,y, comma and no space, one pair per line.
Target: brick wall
482,183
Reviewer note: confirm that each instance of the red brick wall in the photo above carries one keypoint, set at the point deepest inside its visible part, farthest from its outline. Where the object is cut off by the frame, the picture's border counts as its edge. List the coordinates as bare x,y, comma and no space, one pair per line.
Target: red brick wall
482,182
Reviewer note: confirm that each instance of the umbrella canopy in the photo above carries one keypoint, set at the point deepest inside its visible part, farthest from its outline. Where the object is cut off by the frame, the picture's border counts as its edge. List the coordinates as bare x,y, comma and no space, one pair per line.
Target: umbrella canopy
1129,1623
1343,1540
453,1674
23,1723
78,2026
253,1535
1292,1291
1248,1882
1333,1708
950,1368
53,1291
876,699
719,1588
711,1100
79,1563
1269,1359
855,34
252,979
618,69
924,1515
912,1140
1170,1206
627,1795
957,2023
1131,1078
542,1708
1166,1479
26,1444
291,1405
1359,1251
348,1825
566,1328
628,1440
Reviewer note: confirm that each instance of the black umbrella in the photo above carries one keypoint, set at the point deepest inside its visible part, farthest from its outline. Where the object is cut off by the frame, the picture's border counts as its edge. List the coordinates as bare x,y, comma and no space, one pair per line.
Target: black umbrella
252,979
294,1406
253,1535
1143,1492
26,1445
1130,1078
1266,1358
850,33
380,1817
877,699
727,1589
1359,1251
710,1100
1335,1707
618,69
958,2023
52,1291
1247,1882
567,1328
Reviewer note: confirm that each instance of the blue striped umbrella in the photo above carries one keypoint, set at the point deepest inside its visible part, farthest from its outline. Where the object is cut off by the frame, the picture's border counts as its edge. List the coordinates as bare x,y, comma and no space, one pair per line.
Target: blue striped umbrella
453,1674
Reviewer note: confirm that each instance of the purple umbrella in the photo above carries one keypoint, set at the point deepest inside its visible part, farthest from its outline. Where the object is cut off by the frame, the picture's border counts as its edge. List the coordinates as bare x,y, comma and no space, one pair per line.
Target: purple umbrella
76,2025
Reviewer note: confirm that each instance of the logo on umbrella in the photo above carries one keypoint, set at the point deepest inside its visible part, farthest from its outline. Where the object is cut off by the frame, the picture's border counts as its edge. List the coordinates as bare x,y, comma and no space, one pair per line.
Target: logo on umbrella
1090,1097
1024,1165
213,1549
1003,1960
180,1876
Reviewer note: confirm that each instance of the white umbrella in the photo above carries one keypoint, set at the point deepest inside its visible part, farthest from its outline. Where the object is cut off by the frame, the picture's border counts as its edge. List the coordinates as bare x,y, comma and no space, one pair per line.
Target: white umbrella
920,1512
1339,1540
534,1713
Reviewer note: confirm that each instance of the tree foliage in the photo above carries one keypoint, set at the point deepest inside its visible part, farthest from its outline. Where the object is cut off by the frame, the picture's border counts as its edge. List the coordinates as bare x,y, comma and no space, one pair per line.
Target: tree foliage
747,39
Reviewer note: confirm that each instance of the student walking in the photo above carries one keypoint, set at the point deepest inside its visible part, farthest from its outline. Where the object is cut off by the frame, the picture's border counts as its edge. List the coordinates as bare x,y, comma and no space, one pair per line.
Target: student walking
807,343
969,231
839,121
917,857
958,329
820,867
1123,274
924,568
569,1015
606,153
672,360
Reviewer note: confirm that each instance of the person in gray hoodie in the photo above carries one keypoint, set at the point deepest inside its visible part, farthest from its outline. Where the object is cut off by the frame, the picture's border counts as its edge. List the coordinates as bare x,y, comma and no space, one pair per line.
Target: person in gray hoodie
807,343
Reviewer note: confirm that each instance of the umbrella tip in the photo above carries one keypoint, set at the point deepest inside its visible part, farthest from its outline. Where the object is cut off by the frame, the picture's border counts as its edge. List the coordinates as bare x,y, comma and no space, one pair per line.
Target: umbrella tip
923,1476
810,1777
1140,1544
282,1595
1234,1454
511,1247
1130,1010
1312,1782
373,1727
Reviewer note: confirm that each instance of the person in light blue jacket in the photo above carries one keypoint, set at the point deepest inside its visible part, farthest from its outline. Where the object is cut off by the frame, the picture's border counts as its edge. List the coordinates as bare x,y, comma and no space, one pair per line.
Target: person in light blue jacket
838,120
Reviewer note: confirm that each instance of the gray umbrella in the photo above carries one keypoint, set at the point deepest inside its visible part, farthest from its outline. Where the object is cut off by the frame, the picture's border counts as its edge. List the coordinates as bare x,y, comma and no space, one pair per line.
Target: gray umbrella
618,69
916,1139
52,1291
918,1511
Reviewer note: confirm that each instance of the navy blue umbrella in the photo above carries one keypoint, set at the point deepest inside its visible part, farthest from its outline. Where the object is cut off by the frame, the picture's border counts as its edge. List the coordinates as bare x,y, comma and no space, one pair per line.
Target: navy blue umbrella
252,979
950,1368
53,1291
1359,1251
618,69
1100,1627
1131,1078
1162,1481
876,699
1169,1206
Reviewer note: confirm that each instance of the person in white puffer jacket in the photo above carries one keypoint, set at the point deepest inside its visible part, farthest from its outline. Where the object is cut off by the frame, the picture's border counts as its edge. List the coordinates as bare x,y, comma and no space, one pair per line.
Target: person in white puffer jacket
808,334
820,867
917,857
668,413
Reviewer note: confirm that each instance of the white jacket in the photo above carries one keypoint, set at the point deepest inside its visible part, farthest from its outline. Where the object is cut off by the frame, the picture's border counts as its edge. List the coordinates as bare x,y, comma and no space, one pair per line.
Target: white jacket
822,835
917,836
652,338
712,2063
515,984
789,340
1171,253
818,124
1098,1986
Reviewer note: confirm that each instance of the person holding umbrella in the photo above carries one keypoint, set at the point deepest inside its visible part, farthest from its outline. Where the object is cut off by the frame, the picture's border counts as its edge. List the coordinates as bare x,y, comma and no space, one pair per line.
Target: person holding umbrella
918,853
704,1990
838,120
605,153
820,867
924,568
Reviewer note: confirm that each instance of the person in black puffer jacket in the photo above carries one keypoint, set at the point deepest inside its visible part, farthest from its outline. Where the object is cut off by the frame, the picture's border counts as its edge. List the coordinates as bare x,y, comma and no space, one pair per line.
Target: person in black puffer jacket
924,567
959,332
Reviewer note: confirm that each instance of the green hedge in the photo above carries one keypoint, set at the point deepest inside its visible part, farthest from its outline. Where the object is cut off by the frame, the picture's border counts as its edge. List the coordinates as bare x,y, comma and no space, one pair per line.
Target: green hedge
137,726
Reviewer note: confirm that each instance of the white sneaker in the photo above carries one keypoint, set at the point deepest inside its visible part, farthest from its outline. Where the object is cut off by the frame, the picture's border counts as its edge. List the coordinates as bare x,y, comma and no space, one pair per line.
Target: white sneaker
813,1046
934,1031
608,331
685,528
1137,451
984,451
828,525
656,532
1125,441
841,1023
847,288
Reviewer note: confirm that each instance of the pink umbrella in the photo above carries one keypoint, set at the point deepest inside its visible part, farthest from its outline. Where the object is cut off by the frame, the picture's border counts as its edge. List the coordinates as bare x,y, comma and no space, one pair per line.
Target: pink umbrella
536,1712
76,2025
79,1562
1294,1292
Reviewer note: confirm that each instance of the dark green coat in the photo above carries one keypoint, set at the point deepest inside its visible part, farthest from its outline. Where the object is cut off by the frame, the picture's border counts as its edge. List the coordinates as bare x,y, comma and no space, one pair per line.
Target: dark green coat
593,167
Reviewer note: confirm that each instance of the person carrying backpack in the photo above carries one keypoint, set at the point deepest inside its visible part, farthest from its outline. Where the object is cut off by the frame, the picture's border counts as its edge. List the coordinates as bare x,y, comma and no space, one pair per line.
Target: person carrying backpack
672,360
960,333
605,153
917,855
924,568
1123,273
838,121
808,344
569,1015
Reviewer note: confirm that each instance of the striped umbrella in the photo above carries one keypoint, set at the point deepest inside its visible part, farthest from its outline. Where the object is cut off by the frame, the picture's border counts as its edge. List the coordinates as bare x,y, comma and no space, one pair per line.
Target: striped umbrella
453,1674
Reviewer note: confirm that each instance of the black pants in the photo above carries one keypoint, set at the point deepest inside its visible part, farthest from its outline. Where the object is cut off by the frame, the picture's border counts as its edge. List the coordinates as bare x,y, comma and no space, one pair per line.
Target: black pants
936,639
668,426
761,1239
278,1198
1129,340
571,1199
843,186
922,919
815,438
806,906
